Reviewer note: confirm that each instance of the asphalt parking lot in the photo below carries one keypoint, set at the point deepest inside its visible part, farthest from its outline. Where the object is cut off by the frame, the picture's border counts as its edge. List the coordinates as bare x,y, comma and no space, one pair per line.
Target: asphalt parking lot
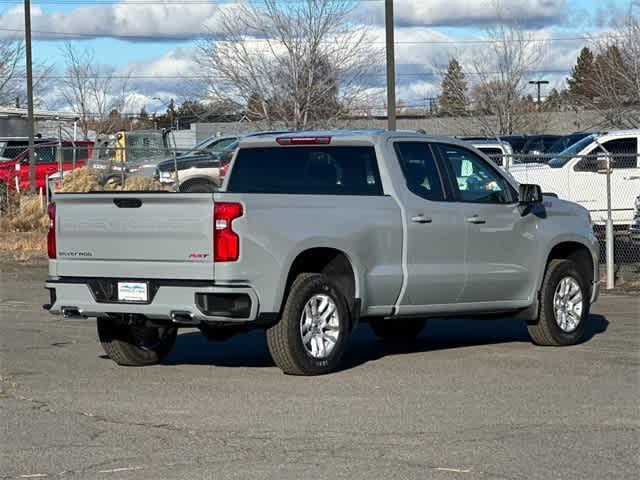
468,399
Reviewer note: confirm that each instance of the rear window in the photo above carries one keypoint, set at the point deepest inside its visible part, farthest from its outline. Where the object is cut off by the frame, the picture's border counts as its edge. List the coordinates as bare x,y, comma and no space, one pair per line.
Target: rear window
318,170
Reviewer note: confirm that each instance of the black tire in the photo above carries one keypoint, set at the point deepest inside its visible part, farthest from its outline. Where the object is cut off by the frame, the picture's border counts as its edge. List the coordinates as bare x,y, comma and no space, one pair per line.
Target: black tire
284,339
135,346
546,331
199,187
397,329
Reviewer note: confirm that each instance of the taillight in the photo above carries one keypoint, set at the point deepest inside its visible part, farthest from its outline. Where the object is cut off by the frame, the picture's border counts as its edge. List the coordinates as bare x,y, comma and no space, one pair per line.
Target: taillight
51,234
226,242
223,170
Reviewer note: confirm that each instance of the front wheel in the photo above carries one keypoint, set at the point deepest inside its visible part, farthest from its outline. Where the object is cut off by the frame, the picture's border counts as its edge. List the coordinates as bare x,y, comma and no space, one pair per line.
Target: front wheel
311,336
133,345
564,306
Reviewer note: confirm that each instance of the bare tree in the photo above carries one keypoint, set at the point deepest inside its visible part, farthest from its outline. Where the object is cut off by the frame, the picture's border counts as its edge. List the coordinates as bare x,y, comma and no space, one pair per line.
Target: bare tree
300,63
94,91
11,55
615,82
501,68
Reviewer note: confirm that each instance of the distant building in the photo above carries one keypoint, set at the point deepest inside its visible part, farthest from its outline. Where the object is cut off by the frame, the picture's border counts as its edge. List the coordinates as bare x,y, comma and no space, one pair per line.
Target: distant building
13,122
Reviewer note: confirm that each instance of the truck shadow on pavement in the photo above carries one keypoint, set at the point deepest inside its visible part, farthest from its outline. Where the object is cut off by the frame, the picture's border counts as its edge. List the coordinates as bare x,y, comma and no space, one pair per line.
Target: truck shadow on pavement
250,350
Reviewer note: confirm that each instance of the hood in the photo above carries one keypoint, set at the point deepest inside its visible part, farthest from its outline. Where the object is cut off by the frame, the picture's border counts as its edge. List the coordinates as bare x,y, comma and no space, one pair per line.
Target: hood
519,167
198,161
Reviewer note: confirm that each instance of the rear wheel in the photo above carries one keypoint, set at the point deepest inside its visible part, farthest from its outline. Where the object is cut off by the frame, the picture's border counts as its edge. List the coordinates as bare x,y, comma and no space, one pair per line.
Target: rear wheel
397,329
311,336
133,345
564,306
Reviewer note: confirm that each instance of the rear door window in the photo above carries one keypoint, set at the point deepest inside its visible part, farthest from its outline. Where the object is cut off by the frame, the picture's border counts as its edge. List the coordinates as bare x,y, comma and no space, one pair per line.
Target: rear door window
318,170
420,170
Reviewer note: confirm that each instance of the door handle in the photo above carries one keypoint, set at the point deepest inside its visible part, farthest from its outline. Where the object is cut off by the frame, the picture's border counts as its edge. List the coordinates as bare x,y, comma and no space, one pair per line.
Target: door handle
476,219
421,219
632,177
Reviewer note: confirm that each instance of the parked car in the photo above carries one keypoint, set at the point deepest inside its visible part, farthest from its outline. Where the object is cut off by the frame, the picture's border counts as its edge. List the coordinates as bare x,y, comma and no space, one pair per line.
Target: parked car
538,144
314,233
576,174
15,173
562,143
634,228
201,172
11,147
214,144
517,142
498,151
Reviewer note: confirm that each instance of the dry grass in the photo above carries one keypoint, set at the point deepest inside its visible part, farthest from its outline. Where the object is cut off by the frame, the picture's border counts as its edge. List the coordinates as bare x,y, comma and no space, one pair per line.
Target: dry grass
22,246
29,216
81,180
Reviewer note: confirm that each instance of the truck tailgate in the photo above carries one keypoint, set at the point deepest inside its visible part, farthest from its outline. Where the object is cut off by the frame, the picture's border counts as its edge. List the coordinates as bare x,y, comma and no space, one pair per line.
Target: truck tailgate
139,235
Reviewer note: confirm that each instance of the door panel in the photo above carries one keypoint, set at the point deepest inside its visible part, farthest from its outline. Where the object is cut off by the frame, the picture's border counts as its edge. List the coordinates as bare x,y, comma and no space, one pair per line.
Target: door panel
502,254
436,232
501,244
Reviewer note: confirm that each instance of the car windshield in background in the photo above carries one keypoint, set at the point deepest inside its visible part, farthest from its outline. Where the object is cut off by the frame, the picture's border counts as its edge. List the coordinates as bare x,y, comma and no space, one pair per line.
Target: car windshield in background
565,142
146,148
326,170
569,153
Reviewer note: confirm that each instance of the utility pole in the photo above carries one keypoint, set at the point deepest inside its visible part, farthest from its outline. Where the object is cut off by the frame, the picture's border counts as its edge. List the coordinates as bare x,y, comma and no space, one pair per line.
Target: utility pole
538,83
391,65
30,120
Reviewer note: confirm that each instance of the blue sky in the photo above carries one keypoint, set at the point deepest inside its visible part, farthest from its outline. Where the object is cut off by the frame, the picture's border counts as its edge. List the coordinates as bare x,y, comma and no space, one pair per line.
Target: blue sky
169,28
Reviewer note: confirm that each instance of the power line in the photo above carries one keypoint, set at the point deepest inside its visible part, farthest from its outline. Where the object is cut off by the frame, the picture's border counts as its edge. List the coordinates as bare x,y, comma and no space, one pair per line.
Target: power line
179,76
399,42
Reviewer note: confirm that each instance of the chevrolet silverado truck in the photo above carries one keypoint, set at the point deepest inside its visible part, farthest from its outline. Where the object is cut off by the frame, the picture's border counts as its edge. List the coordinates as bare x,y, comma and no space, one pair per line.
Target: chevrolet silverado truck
315,232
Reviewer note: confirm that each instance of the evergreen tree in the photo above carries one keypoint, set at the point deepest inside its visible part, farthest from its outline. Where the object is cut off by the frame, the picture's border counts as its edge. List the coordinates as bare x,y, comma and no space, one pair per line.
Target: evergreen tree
582,76
453,100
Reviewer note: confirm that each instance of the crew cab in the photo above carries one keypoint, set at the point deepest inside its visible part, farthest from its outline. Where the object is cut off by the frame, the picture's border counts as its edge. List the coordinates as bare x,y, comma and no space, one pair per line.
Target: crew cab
578,174
315,232
74,154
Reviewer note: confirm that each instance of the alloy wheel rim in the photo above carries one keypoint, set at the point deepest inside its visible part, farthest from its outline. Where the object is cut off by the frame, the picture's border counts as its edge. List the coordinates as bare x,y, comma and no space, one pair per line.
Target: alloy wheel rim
320,326
568,304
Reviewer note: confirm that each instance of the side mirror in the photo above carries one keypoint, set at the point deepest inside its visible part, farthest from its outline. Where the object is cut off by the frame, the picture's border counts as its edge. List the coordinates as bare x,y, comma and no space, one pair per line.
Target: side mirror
529,194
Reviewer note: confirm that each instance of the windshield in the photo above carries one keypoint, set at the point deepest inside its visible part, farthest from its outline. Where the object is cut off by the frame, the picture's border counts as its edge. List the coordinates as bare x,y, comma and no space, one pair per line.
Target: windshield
146,147
564,142
569,153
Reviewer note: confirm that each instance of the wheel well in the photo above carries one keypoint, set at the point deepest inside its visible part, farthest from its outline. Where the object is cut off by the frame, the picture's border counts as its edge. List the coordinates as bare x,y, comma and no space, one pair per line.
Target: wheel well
191,181
331,262
576,252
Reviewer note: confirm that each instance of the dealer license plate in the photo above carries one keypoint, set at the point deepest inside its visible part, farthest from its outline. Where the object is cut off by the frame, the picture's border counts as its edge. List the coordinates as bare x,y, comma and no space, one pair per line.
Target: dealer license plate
133,292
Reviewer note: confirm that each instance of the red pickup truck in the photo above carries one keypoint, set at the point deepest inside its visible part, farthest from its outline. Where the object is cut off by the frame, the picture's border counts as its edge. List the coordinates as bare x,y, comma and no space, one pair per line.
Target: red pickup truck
15,172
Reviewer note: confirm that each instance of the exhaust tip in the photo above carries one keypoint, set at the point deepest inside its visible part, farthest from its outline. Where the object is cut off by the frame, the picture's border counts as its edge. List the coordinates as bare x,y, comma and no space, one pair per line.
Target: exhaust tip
71,312
178,316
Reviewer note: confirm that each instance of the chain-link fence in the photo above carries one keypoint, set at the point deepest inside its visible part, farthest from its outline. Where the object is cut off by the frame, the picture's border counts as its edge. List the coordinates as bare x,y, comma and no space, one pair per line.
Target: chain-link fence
606,183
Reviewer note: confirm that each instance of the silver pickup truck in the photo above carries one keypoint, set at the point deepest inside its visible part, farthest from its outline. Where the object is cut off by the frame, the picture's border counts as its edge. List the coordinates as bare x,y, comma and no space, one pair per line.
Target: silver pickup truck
313,233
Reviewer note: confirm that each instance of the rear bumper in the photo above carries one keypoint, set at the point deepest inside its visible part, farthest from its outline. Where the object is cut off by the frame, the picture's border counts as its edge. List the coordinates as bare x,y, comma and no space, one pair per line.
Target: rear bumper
190,302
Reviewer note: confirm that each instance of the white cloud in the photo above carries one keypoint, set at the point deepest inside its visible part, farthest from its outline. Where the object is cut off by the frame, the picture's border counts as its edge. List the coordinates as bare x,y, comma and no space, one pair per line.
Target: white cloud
170,20
451,13
145,19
